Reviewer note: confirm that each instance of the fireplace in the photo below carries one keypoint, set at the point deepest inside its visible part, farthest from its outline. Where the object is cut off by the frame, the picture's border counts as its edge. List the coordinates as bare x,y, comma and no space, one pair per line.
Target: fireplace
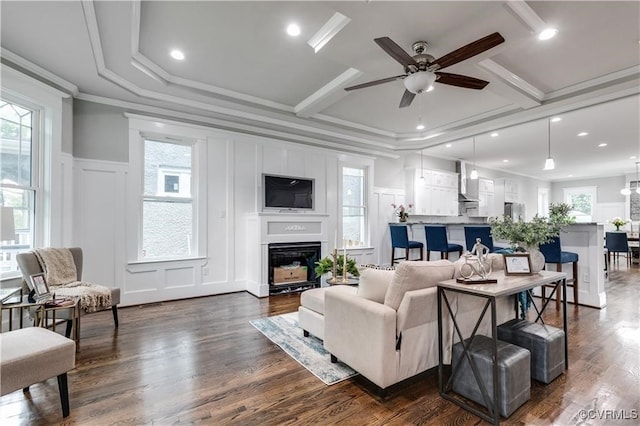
292,266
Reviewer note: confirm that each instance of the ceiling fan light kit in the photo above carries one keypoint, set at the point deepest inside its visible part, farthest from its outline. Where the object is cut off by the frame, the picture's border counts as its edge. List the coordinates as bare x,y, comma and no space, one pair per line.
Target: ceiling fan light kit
419,82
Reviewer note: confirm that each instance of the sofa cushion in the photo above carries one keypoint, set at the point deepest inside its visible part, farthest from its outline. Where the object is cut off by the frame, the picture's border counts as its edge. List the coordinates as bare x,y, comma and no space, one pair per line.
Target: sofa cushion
415,275
374,283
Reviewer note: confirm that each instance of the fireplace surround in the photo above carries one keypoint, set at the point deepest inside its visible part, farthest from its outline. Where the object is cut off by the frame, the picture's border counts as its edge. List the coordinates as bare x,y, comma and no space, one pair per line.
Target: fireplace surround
267,230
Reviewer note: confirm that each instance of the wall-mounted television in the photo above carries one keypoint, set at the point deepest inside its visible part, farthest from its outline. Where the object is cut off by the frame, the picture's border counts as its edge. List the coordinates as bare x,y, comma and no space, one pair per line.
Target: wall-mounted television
288,192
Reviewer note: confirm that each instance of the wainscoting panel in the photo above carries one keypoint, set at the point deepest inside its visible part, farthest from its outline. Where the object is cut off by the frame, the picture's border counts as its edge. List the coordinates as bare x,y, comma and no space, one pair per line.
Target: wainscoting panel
99,219
180,277
141,281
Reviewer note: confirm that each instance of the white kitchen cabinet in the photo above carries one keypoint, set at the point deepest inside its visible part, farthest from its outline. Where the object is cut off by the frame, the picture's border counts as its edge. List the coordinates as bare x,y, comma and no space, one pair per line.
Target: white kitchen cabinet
486,198
436,194
511,193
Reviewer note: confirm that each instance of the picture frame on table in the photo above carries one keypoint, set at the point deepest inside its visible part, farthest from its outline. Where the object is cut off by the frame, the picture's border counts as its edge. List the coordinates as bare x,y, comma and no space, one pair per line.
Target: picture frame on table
39,285
517,264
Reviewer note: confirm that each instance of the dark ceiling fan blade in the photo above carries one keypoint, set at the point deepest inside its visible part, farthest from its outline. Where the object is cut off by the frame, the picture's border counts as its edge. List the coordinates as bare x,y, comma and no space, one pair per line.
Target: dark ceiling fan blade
461,80
407,98
375,82
471,49
395,51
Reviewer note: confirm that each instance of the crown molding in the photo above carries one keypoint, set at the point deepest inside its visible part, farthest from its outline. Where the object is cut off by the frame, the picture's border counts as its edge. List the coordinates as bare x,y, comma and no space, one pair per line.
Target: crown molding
38,71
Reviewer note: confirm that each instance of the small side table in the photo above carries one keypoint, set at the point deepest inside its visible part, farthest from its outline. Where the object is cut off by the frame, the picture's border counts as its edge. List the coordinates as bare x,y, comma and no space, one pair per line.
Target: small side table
42,314
46,313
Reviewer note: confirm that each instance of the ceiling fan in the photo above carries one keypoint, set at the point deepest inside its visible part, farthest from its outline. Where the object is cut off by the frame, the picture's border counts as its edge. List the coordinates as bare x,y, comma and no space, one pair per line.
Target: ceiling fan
421,70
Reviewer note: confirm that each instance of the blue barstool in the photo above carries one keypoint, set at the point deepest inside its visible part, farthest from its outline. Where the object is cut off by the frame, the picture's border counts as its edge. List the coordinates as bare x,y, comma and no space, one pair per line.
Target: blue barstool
616,243
482,232
553,254
437,241
400,239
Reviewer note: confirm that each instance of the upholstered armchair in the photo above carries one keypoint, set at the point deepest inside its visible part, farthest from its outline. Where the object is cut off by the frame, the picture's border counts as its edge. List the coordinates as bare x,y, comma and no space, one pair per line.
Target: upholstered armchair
29,265
388,331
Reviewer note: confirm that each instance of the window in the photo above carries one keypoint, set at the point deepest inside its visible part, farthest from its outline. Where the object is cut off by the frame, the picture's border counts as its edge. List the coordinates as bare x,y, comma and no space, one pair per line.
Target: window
167,201
18,178
582,202
354,208
543,202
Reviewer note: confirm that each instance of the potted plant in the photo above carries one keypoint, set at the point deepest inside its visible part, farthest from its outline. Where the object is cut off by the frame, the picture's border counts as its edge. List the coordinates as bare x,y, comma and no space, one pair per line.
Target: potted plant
527,236
325,265
402,212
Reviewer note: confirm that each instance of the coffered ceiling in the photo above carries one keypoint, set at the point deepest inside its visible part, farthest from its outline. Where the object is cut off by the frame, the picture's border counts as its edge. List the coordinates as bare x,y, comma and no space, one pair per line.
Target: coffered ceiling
242,71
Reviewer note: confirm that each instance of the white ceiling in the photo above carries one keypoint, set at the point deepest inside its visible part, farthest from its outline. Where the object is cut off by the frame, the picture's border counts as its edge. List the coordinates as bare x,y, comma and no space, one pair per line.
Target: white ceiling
242,71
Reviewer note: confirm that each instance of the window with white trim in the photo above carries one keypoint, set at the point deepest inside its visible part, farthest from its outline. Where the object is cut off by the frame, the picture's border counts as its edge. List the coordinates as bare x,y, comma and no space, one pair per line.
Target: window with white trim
354,206
582,201
167,200
19,183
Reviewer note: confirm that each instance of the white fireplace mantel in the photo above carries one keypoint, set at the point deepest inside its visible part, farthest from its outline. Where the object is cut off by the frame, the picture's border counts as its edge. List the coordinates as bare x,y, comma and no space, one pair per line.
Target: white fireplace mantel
265,228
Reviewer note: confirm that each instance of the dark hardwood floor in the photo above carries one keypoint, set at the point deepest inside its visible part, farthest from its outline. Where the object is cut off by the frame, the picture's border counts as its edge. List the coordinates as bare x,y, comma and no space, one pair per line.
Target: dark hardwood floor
200,361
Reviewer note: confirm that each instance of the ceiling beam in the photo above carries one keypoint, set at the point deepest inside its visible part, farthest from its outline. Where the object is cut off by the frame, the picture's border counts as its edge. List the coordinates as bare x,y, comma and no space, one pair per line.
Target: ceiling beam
327,94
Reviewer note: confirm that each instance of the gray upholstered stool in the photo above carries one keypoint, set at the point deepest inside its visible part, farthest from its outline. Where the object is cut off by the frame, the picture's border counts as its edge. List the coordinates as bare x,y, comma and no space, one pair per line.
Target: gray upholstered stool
513,373
31,355
546,344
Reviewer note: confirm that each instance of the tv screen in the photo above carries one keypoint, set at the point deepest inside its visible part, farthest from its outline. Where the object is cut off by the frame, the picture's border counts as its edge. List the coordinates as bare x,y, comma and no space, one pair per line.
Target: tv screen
282,192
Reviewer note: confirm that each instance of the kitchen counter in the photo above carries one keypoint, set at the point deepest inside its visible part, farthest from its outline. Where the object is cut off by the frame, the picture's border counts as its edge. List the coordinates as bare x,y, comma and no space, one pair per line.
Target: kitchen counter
586,239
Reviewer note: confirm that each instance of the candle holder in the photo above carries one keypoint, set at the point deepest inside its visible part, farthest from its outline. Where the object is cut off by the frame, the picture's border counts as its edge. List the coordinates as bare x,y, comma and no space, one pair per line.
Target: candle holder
345,279
334,271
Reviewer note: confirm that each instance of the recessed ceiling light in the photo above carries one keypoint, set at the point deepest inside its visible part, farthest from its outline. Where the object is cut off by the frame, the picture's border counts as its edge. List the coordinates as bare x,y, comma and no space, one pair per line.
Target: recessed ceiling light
494,134
505,161
177,54
547,33
632,157
600,145
293,30
420,126
449,146
569,175
556,119
583,134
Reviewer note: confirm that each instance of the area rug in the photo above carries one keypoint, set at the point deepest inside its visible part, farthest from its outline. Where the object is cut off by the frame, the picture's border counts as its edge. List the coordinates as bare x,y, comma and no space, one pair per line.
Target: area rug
284,331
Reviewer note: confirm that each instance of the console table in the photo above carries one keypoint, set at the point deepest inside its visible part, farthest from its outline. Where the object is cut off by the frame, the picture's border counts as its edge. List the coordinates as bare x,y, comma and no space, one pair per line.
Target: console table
506,286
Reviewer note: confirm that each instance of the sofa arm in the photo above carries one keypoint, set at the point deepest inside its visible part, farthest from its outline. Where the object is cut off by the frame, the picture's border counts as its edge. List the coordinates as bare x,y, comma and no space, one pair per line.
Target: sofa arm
362,334
417,307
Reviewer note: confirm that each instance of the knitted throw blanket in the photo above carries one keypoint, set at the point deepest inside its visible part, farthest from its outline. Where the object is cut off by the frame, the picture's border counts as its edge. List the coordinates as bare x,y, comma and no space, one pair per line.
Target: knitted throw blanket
61,276
57,264
92,297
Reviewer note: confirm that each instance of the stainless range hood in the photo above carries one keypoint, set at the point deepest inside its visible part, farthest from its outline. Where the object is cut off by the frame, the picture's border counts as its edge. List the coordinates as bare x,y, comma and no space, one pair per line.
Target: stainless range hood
465,192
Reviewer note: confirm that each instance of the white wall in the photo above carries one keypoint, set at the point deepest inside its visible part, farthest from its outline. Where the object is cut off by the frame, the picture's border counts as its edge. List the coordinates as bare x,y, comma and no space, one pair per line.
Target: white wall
106,225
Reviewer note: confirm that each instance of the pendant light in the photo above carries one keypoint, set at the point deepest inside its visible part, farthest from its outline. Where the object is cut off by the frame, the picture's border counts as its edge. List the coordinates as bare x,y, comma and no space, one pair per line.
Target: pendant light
549,164
474,172
627,191
421,169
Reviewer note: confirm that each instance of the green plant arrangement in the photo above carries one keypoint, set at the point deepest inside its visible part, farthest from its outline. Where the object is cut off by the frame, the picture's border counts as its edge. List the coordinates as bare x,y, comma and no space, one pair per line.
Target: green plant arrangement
325,265
531,234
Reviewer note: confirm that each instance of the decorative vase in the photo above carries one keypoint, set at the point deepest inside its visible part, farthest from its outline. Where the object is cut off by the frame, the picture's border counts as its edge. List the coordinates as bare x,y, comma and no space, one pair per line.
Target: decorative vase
617,228
402,219
537,258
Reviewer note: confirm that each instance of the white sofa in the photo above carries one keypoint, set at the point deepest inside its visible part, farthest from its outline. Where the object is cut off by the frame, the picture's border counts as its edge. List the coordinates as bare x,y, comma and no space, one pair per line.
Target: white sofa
388,329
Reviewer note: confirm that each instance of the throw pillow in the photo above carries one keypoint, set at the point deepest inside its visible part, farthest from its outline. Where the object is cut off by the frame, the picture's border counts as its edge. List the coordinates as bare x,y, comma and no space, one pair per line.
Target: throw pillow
373,283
